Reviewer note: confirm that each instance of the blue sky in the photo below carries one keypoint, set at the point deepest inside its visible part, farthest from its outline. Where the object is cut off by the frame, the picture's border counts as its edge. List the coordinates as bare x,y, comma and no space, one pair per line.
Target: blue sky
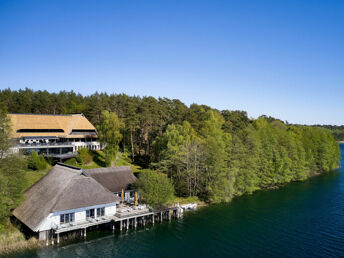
279,58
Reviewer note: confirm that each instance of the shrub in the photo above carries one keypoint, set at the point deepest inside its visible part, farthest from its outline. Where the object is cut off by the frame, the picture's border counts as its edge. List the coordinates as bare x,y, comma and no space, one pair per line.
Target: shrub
155,188
36,162
72,162
84,156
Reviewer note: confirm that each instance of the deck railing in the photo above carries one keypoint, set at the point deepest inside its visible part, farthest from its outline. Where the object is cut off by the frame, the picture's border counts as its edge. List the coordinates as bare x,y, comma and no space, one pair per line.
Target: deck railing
38,144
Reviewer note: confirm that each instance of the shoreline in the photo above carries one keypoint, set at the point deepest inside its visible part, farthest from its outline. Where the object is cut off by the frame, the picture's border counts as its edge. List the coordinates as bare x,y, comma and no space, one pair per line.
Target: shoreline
14,240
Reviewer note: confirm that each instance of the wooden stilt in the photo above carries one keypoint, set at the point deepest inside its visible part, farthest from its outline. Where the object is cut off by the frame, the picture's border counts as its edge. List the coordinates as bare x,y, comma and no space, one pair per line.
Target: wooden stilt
47,238
58,238
127,224
120,225
85,233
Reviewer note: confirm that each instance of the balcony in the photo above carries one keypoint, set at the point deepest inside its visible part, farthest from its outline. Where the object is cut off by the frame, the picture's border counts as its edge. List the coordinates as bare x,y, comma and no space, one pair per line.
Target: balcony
43,144
81,224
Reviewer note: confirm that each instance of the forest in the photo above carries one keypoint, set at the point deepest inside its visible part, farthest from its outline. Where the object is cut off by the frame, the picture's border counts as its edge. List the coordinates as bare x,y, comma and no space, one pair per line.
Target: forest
212,154
337,131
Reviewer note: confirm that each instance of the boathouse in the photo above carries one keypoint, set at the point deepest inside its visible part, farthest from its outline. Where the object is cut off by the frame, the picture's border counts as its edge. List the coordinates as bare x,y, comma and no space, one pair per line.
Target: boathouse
71,199
64,199
58,136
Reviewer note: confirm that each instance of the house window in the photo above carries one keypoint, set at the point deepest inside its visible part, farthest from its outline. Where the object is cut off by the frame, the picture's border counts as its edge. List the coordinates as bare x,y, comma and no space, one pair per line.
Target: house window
66,218
90,213
100,212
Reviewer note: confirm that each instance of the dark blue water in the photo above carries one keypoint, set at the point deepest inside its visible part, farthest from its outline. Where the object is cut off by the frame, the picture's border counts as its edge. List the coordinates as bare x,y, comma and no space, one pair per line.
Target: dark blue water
299,220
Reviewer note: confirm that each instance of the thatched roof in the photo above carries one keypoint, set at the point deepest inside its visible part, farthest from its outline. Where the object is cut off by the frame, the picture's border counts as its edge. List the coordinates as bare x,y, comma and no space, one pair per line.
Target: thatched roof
113,178
63,188
63,123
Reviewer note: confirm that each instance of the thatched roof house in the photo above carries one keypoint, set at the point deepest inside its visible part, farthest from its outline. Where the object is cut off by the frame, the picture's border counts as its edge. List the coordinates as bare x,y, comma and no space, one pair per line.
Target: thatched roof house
58,136
64,189
66,126
113,178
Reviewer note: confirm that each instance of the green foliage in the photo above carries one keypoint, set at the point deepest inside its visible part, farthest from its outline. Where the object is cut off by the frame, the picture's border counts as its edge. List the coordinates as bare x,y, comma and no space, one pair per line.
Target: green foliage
155,188
337,131
12,184
214,155
180,157
84,156
109,131
5,131
36,162
12,179
72,162
236,156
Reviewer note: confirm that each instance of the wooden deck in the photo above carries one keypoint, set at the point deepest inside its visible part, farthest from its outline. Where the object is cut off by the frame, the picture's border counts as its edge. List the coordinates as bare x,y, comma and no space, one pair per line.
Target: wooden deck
131,217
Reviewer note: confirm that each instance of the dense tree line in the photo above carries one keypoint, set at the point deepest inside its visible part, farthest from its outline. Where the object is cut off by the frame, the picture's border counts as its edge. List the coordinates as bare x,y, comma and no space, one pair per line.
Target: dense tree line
215,155
337,131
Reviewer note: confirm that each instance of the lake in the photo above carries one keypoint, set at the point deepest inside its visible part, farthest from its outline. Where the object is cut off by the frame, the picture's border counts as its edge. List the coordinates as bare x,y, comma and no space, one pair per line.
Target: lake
298,220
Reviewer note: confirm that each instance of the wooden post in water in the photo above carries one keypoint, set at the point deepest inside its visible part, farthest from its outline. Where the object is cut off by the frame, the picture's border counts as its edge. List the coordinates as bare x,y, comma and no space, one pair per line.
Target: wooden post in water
136,202
58,238
120,225
85,233
127,224
135,222
47,238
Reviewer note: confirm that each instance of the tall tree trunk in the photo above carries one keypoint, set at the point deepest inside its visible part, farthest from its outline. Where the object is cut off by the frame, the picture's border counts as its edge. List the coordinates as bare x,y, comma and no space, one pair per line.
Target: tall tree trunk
132,144
188,171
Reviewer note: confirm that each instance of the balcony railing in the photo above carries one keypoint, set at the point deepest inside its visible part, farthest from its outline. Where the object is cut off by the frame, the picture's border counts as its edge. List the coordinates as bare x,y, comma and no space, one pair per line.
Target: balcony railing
39,144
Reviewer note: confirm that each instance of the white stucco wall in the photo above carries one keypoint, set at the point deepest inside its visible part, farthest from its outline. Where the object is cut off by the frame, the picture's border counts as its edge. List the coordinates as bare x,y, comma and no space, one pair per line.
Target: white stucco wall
110,211
53,219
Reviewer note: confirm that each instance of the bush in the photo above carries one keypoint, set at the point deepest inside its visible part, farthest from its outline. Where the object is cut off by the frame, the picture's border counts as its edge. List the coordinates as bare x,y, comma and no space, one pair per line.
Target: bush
72,162
36,162
155,188
84,156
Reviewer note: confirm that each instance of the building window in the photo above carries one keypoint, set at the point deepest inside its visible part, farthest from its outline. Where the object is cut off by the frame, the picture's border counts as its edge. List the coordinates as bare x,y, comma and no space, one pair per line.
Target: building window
66,218
100,212
90,213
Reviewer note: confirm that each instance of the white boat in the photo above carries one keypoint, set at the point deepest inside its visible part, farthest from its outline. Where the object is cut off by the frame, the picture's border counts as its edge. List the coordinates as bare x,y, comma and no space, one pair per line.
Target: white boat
189,206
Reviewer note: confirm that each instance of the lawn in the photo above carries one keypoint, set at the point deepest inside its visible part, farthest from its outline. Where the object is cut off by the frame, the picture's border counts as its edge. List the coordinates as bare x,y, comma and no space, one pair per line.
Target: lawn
32,176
